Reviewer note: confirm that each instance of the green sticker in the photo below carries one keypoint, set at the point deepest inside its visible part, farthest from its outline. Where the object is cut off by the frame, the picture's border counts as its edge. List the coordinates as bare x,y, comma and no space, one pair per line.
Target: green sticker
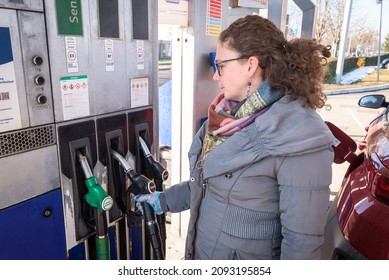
69,17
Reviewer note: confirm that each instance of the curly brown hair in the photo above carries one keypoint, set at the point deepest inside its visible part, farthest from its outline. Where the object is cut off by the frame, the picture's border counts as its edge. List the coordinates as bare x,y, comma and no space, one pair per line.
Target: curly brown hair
295,67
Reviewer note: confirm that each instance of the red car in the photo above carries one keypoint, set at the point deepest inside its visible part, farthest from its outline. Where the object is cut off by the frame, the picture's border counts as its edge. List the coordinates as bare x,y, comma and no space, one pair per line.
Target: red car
358,220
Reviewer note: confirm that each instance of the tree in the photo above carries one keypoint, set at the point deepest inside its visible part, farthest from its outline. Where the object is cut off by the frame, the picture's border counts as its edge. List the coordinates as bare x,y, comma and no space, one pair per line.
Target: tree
329,20
364,38
335,22
321,26
386,44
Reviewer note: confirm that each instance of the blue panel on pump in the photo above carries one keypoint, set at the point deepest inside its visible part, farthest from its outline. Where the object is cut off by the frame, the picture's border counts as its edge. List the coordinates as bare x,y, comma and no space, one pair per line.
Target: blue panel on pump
34,229
5,46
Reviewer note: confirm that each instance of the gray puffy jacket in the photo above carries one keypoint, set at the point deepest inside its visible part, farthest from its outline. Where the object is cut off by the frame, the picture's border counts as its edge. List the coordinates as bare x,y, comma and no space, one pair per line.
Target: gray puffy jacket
264,192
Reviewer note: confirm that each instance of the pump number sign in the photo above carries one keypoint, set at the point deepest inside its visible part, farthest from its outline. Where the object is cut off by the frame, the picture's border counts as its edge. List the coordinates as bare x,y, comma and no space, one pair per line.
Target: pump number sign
69,17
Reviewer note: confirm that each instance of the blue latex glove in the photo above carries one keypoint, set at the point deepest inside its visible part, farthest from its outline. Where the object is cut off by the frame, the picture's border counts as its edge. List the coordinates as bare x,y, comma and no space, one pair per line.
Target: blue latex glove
152,199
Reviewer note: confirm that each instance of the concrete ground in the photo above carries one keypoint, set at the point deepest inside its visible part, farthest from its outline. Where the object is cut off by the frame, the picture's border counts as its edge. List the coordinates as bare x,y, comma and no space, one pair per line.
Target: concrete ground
174,245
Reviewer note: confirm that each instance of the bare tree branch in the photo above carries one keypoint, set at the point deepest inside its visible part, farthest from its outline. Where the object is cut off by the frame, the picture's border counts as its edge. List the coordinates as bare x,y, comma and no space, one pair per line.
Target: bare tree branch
321,19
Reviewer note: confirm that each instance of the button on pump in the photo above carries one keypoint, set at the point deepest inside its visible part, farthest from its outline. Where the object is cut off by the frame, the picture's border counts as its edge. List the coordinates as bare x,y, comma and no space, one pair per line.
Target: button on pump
37,60
39,80
41,99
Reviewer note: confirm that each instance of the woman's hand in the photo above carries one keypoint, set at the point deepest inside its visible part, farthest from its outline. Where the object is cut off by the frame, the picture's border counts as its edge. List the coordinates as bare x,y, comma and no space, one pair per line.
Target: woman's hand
152,199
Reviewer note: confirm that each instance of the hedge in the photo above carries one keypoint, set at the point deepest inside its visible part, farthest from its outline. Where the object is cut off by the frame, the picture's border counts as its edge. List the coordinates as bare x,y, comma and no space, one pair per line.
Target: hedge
350,63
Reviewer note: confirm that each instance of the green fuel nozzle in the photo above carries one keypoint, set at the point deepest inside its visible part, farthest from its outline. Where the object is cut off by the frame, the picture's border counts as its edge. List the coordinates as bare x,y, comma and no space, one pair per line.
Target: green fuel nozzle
96,197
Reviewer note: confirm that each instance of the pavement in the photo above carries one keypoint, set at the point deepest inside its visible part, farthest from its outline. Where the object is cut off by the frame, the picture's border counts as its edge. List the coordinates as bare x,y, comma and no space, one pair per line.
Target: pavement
356,90
175,244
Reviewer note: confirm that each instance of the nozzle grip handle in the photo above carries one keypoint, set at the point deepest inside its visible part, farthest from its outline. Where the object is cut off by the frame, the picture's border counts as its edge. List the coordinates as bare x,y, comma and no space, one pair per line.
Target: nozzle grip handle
153,231
97,197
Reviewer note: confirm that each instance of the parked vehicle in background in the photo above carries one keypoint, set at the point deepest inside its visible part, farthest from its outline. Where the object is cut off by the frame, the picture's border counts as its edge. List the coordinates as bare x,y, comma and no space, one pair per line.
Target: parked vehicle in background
357,225
385,64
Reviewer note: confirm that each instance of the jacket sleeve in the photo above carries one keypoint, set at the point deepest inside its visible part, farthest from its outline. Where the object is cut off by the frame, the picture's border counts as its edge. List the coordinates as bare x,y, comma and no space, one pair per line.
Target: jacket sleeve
176,198
304,200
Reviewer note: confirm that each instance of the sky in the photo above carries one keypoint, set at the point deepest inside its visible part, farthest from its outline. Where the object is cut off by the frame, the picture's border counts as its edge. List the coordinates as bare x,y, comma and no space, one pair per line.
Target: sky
370,10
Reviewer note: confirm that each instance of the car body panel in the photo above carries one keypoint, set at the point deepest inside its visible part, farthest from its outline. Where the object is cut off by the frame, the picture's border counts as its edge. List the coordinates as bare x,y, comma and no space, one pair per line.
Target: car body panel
361,218
358,223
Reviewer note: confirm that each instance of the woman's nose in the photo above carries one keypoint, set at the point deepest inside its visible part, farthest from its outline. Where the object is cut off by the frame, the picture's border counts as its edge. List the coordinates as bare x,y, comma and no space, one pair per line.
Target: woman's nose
216,76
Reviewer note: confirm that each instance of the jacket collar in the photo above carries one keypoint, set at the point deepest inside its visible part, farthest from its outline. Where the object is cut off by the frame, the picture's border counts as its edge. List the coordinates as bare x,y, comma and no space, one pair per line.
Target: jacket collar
287,128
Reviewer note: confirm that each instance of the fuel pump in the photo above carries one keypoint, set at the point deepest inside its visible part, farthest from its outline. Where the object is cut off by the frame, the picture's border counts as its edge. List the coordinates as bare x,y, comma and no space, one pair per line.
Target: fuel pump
69,84
159,174
97,198
143,185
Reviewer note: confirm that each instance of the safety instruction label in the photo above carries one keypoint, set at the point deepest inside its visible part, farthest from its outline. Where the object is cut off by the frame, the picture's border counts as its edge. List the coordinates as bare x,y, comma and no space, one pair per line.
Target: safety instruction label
71,54
140,55
139,92
109,55
75,97
9,101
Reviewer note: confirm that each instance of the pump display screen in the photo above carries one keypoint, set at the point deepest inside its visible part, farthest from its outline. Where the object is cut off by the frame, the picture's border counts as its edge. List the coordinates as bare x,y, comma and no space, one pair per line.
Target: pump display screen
109,18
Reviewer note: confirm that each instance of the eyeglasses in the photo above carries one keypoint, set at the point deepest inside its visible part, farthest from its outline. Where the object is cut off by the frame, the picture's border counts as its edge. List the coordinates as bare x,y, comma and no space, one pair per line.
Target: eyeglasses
218,67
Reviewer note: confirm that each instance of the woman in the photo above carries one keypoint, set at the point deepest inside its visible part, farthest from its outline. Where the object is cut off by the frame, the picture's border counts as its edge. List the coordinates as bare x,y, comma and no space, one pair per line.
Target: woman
261,165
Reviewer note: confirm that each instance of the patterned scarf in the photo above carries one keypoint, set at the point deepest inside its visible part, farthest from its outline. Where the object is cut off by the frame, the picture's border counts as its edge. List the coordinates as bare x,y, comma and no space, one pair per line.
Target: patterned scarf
227,117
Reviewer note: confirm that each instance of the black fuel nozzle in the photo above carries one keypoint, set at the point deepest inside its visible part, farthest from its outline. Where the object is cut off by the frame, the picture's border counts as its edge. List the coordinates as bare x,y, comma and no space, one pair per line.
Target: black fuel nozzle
143,185
140,183
159,172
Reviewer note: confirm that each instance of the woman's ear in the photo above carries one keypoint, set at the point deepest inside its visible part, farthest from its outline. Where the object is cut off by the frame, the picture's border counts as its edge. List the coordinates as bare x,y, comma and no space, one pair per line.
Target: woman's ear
253,64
